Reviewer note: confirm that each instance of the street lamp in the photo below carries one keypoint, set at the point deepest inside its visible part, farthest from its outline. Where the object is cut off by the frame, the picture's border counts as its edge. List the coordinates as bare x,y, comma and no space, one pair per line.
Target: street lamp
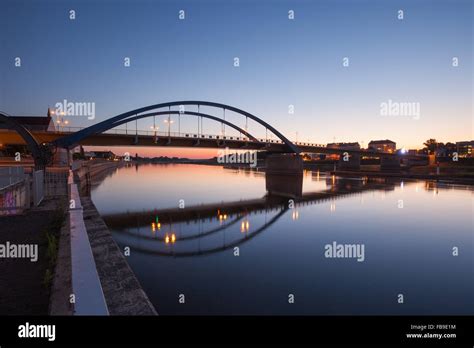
155,128
169,122
60,119
62,123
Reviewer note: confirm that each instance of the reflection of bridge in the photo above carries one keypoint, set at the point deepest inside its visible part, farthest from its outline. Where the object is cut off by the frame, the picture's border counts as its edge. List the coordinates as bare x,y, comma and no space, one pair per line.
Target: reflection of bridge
105,133
233,211
339,188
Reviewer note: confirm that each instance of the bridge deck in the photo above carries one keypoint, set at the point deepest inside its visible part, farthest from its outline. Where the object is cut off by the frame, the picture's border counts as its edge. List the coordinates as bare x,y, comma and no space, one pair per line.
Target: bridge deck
187,140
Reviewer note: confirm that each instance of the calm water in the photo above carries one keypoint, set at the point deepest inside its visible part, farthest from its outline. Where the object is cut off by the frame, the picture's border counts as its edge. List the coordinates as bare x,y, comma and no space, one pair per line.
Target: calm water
408,231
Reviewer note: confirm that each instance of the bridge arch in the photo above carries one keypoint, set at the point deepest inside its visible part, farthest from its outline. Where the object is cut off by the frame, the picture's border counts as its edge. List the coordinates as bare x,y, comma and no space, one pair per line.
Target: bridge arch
39,155
111,122
200,114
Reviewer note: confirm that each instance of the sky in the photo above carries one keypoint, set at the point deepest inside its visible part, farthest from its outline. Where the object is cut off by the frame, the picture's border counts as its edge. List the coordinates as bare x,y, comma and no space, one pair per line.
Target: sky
283,62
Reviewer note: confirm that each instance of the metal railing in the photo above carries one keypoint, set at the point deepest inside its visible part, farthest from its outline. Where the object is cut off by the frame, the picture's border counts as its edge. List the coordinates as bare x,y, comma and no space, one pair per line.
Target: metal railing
15,198
161,134
14,190
11,175
38,187
55,182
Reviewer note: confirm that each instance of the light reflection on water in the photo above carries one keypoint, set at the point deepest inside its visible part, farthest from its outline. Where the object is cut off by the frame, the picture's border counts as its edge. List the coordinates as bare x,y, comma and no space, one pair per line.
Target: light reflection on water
408,247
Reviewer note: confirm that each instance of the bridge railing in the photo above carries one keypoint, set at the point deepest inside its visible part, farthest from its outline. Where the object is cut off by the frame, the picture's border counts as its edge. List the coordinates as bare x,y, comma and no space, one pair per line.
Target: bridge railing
161,134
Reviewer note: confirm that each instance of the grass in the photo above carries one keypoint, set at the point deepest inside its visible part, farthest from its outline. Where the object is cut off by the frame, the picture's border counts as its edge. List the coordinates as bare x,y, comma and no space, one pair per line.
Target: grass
51,234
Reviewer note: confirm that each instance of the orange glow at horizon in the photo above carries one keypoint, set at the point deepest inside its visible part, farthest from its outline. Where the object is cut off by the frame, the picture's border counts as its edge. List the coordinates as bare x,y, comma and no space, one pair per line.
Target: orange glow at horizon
157,151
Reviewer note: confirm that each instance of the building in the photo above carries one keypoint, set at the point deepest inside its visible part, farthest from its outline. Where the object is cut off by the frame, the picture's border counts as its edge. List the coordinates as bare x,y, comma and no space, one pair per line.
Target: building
382,146
107,155
344,146
36,123
341,146
464,148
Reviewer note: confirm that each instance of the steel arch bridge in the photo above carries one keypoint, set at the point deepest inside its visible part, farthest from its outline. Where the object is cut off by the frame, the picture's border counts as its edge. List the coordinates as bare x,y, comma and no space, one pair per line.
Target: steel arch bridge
133,115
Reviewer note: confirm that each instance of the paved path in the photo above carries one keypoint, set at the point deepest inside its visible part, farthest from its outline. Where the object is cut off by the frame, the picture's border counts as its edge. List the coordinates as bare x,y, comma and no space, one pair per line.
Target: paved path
21,281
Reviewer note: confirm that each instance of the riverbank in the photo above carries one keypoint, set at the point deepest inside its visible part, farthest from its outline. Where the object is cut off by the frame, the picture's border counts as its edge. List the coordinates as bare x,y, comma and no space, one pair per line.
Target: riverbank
455,179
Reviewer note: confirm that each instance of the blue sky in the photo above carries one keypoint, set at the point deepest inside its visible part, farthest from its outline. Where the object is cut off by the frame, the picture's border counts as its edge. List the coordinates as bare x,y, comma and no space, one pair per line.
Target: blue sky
282,62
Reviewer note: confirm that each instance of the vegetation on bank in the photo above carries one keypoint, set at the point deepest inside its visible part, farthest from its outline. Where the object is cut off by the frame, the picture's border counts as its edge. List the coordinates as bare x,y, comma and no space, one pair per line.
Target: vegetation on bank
51,234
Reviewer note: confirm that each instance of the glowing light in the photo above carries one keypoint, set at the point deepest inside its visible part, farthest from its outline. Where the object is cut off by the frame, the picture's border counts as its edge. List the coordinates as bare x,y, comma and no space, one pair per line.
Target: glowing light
295,215
222,217
244,226
170,238
153,227
333,207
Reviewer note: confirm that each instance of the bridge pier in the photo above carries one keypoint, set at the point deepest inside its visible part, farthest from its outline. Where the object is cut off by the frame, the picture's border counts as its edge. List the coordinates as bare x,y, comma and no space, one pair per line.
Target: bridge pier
349,161
389,163
284,175
62,157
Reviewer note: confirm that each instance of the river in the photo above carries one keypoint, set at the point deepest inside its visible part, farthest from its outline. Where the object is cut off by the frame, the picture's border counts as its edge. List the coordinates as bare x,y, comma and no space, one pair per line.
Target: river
351,247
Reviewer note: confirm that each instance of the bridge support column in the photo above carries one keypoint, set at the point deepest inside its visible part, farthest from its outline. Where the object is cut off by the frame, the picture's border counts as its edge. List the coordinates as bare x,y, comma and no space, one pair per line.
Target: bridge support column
390,163
61,157
284,175
349,161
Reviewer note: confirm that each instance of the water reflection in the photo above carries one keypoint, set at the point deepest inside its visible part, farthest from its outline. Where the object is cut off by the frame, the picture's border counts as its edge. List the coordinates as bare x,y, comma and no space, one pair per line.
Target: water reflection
196,243
228,214
407,249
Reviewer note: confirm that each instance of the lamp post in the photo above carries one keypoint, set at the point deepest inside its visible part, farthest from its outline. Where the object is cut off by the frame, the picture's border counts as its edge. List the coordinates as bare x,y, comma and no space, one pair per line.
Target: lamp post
169,122
155,137
60,119
62,123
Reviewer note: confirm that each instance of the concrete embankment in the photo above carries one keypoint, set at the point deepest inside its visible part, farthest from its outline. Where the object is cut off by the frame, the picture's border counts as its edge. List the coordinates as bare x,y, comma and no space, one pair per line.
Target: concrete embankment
122,291
88,173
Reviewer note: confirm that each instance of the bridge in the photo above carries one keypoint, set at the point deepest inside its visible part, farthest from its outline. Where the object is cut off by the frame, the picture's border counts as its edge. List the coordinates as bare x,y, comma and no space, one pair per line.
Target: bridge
43,145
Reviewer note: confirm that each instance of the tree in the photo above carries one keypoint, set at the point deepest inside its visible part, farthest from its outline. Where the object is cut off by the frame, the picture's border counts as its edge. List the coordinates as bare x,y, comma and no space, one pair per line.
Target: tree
431,145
